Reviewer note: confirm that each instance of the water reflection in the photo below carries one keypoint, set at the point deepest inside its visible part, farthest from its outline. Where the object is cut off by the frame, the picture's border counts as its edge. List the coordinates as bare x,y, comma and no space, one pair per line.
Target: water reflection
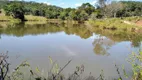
64,41
102,44
121,36
36,29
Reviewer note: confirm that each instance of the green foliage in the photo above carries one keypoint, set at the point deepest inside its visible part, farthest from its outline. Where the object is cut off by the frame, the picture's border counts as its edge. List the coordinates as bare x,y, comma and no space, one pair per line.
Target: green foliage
132,8
72,15
87,7
135,60
124,71
96,15
17,74
31,8
52,12
82,13
120,8
63,15
15,9
82,16
2,3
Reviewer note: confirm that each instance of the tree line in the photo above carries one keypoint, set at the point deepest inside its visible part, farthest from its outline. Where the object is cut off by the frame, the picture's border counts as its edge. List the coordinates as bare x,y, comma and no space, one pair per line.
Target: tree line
86,11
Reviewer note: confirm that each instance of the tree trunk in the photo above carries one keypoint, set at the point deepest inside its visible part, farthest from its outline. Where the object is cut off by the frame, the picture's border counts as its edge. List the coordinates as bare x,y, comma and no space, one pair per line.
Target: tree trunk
114,15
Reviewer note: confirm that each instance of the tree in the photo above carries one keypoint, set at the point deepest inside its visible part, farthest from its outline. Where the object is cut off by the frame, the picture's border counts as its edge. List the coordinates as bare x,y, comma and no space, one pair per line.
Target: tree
87,7
96,14
15,9
81,16
132,8
112,9
105,9
63,15
101,6
102,3
72,15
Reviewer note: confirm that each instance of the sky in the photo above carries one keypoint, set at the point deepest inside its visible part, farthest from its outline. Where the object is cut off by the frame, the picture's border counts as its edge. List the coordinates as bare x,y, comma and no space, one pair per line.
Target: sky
70,3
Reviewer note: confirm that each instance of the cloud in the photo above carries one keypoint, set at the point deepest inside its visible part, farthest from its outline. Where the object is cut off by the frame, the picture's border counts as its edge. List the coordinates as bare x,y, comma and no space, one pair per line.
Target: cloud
94,2
78,4
62,3
47,3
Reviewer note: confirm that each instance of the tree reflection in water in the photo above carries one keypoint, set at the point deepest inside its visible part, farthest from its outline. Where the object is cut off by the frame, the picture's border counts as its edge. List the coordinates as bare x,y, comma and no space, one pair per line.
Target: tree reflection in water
102,45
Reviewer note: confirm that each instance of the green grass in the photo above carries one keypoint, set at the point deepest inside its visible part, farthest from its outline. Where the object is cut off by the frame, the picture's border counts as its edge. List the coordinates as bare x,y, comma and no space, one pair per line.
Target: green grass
35,18
135,60
4,18
133,19
116,23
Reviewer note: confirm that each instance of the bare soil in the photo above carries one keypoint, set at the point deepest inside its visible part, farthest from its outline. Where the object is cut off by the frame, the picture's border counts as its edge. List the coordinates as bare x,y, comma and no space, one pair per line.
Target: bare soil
139,23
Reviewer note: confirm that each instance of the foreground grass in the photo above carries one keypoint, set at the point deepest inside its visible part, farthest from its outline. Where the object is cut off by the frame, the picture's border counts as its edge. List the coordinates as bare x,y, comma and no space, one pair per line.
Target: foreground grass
55,73
136,61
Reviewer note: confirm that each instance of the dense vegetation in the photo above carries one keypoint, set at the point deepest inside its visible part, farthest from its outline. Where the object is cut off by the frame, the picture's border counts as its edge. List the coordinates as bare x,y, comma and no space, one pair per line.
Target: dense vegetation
84,12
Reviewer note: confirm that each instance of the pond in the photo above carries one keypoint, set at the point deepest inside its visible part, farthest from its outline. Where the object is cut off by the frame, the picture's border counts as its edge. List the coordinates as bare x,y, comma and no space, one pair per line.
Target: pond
94,48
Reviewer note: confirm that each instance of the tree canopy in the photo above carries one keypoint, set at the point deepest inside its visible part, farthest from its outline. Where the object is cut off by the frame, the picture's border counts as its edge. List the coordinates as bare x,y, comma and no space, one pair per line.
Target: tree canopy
84,12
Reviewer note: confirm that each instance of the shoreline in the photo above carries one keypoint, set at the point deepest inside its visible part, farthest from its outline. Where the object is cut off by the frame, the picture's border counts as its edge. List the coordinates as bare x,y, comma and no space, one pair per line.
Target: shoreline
125,24
116,24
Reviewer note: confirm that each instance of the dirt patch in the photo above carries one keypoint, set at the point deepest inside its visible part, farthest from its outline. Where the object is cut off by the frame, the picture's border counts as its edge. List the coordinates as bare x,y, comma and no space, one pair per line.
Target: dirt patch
139,23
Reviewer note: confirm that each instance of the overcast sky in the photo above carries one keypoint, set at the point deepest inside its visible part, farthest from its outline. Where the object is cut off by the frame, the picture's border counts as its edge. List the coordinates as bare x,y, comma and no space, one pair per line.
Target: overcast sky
69,3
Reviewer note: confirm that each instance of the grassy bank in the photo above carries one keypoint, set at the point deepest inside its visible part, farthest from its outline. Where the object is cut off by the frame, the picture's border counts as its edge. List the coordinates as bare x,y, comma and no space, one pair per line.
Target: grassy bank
4,18
128,24
35,18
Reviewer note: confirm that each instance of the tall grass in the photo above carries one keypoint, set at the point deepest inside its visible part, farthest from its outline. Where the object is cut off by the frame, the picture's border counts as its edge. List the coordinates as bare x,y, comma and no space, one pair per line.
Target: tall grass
35,18
4,18
136,61
133,19
116,23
